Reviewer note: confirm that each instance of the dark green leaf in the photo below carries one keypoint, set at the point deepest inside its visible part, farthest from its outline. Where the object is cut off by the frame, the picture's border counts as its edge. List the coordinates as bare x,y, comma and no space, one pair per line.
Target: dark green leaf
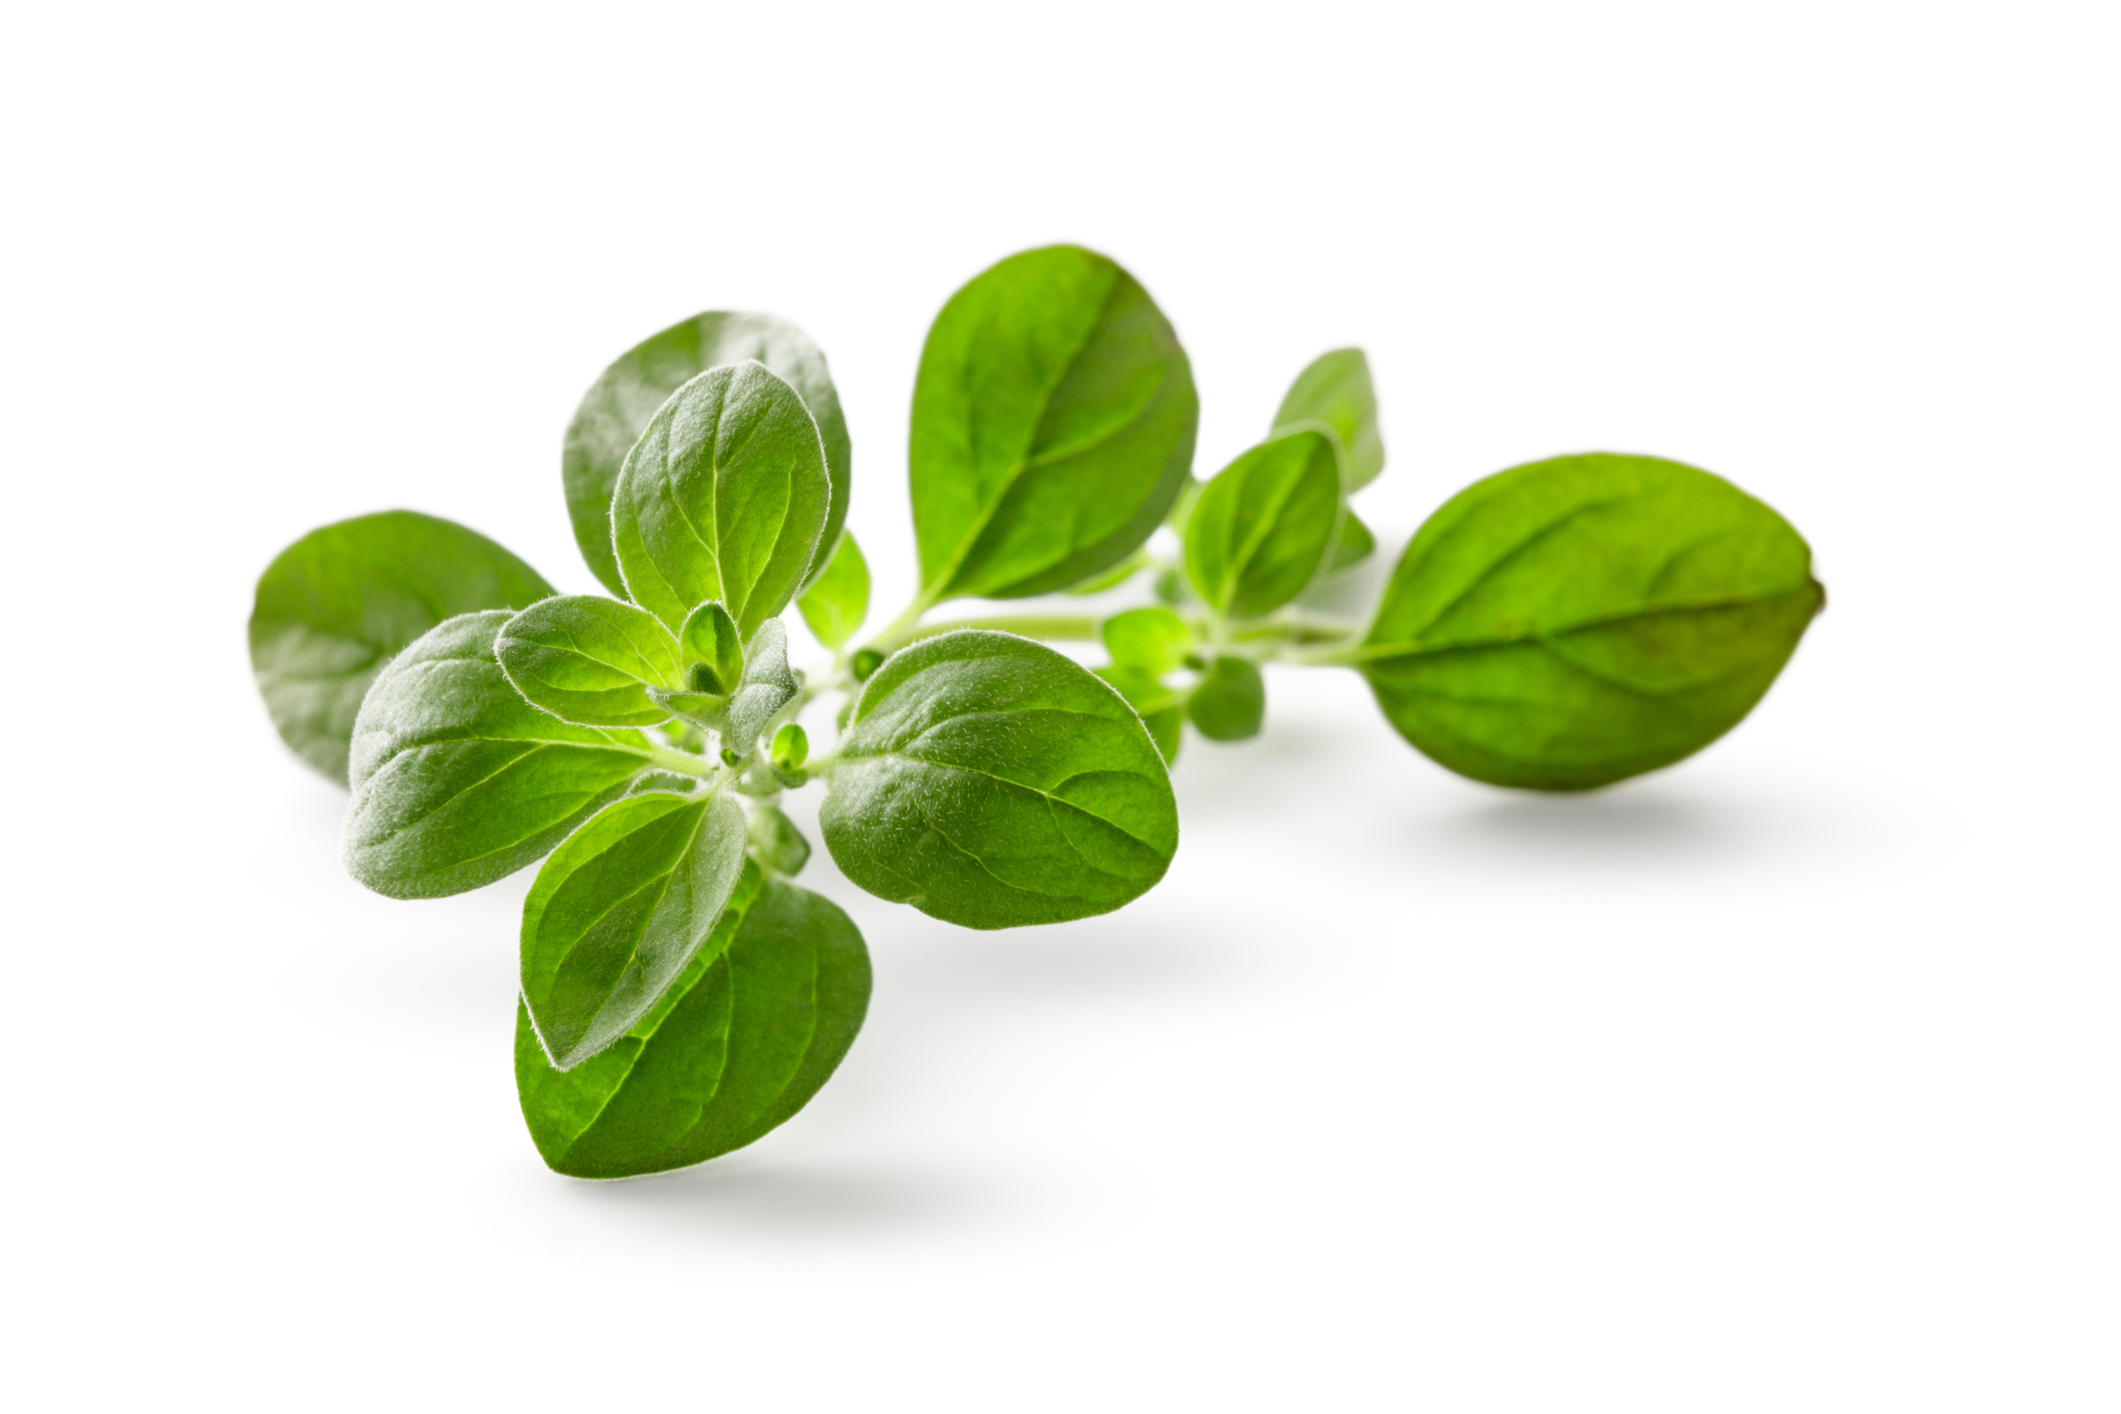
617,912
1162,709
1153,640
589,660
777,843
618,407
1577,621
990,781
1113,578
1335,389
1229,701
724,497
334,606
838,600
711,650
1265,524
457,781
748,1033
1355,545
1053,424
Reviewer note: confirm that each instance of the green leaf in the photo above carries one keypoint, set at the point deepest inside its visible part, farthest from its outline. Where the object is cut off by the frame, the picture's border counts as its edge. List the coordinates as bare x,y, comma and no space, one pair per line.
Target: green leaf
617,912
768,685
457,781
777,843
989,781
1265,524
838,599
1153,640
724,497
1355,545
589,660
1112,578
1335,389
749,1032
334,606
1573,622
619,406
1162,709
711,650
1230,700
1053,423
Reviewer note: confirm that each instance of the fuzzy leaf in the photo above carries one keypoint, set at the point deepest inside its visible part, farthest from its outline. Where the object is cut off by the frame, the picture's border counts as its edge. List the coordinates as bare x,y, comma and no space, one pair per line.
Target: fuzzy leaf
724,497
457,781
838,599
620,404
589,660
989,781
333,607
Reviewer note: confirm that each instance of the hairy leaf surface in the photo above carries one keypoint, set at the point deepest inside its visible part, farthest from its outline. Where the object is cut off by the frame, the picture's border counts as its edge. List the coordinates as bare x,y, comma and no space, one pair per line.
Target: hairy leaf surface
618,911
751,1030
724,497
838,599
990,781
1053,424
589,660
334,606
1573,622
457,781
1265,525
1335,389
625,398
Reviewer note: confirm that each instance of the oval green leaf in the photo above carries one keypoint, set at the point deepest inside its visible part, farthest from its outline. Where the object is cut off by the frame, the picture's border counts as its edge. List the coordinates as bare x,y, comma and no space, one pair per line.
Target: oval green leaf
1335,389
619,909
749,1032
989,781
1266,523
620,404
333,607
1153,641
724,497
1574,622
1053,425
838,600
1230,701
589,660
457,781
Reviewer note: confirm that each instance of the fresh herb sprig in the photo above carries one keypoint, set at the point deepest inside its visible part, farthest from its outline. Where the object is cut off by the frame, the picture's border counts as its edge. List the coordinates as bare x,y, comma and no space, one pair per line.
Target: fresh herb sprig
1559,626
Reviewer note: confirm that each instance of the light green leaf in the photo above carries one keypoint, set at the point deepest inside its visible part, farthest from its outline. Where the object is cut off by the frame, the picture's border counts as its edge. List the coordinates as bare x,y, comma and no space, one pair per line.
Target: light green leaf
334,606
1053,423
1355,545
1230,700
457,781
1153,640
1573,622
1265,524
724,497
711,649
838,599
768,685
617,912
749,1032
589,660
989,781
1335,389
618,407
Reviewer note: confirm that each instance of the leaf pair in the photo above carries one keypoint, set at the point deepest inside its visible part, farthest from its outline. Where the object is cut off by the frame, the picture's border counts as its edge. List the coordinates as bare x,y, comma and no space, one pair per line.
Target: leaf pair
1276,519
753,1026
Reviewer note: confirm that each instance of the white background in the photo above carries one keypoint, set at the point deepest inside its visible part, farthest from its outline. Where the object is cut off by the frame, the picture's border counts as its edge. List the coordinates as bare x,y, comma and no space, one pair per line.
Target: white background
1785,1079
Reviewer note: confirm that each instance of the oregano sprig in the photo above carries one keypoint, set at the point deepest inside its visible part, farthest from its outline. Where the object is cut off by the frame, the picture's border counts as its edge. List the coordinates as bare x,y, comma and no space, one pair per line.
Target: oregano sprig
1558,626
